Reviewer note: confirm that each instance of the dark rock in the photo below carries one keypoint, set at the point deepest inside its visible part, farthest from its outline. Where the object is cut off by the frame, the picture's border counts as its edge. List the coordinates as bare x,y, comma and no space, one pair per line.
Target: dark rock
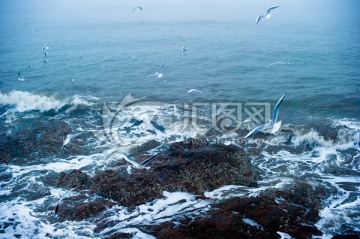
78,208
73,179
192,166
44,140
120,235
127,190
144,147
295,211
347,236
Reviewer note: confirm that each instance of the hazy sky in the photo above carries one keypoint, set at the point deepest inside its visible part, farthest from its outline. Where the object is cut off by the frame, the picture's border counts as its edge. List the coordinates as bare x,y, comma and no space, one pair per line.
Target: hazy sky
176,10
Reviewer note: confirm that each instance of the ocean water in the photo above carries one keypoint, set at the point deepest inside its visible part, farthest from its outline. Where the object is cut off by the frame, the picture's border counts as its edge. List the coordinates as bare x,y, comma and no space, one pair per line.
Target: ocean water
100,53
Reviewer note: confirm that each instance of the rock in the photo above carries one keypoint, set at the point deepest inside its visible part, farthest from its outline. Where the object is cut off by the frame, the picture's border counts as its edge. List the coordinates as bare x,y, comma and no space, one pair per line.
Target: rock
255,217
120,235
127,190
191,166
347,236
44,140
73,179
78,208
144,147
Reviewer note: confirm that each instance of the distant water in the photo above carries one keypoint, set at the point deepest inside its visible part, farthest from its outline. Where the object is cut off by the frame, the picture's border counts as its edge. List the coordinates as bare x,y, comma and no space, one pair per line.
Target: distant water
90,63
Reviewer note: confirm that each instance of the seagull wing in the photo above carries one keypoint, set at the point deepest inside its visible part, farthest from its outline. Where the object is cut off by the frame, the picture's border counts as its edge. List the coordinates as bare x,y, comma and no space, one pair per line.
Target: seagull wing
276,109
276,127
147,161
134,9
271,8
257,129
162,65
151,75
135,164
258,19
141,9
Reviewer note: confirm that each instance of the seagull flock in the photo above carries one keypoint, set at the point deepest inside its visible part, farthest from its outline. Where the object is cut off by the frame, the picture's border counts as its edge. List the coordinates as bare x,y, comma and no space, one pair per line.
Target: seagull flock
271,127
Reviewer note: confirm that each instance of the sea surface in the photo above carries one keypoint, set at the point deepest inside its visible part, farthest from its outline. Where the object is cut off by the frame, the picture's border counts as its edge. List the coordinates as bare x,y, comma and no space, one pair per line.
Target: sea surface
94,61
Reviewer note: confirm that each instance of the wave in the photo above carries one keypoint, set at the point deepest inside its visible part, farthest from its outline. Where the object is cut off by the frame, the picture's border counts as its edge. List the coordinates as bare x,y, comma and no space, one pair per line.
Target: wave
24,101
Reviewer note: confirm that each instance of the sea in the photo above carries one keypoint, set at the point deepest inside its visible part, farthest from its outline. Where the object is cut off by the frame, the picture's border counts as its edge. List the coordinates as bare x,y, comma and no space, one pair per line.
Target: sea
87,64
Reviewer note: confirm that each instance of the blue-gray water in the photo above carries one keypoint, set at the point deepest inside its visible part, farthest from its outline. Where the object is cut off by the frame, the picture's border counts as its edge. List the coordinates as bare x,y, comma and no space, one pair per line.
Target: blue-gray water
101,53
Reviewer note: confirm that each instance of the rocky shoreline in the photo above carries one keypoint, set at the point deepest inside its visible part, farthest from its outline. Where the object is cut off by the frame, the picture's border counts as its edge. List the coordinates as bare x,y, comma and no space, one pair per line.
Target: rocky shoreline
193,166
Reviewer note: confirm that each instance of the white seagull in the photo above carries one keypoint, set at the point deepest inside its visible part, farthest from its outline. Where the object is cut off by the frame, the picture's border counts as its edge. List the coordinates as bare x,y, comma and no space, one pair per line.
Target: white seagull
138,8
194,90
137,165
70,137
272,125
158,73
267,15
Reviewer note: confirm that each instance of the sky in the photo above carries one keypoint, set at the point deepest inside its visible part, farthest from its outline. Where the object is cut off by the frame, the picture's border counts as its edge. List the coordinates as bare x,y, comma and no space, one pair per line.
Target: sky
184,10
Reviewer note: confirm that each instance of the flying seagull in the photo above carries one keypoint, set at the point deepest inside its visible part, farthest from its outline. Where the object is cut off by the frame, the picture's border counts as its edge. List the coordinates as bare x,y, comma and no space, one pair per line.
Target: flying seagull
194,90
272,125
135,164
70,137
138,8
19,76
183,50
267,15
158,73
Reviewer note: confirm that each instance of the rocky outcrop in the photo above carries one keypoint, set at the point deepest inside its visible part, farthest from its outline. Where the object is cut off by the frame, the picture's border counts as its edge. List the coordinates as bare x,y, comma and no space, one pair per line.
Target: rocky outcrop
43,140
79,207
293,211
185,166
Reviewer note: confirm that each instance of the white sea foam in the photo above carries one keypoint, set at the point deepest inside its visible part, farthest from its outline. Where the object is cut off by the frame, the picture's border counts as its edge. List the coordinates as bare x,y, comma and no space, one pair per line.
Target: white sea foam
172,206
24,101
27,104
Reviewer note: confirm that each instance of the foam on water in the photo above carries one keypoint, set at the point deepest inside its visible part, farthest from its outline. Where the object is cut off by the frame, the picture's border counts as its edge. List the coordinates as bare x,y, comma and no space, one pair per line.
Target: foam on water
311,156
22,101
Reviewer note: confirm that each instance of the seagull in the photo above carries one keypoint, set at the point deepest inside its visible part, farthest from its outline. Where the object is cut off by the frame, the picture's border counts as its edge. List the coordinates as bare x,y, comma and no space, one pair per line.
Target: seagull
194,90
267,15
158,73
45,53
19,76
69,137
138,8
273,125
45,47
183,50
135,164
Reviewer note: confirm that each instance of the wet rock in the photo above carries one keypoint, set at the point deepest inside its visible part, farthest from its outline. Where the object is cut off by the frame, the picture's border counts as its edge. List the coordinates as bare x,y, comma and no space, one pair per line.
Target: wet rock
44,140
293,211
79,207
192,166
144,147
127,190
120,235
74,179
347,236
